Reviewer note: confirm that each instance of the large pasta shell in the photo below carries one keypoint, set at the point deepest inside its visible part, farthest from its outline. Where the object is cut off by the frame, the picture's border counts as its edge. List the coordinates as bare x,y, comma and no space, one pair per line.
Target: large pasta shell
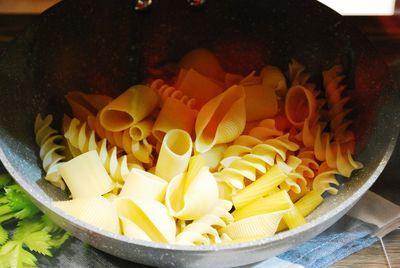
190,196
142,184
174,115
221,120
97,211
129,108
145,219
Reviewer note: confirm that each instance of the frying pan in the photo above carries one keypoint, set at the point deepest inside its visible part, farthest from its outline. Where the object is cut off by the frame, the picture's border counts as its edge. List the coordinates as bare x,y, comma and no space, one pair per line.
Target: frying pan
105,46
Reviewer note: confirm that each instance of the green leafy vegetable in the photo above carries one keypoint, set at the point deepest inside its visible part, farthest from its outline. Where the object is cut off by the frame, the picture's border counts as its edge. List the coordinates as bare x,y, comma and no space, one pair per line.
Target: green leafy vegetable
35,232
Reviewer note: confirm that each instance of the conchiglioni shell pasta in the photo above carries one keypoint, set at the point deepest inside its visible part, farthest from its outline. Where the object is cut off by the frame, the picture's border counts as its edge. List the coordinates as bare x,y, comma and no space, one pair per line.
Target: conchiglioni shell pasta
96,211
129,108
221,120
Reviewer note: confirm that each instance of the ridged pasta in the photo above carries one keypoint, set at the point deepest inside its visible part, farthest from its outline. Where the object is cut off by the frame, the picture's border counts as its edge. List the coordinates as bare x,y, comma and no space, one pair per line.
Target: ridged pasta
298,75
166,91
204,231
51,153
131,107
84,105
82,138
221,120
327,150
141,130
192,194
325,180
254,160
140,149
334,88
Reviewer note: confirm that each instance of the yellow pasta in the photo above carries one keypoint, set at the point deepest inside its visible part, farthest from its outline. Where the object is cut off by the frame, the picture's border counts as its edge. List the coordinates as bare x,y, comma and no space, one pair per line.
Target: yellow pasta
85,176
214,156
145,219
95,210
265,129
255,227
250,80
174,115
204,230
51,152
82,140
142,184
273,78
203,61
300,104
308,203
293,218
175,153
271,203
197,86
221,120
261,187
85,105
261,102
252,161
141,130
232,79
129,108
192,194
166,91
298,75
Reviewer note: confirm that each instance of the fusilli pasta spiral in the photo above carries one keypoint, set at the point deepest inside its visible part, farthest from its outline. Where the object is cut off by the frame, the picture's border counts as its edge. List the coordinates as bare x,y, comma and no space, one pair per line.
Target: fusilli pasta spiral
82,138
51,152
204,230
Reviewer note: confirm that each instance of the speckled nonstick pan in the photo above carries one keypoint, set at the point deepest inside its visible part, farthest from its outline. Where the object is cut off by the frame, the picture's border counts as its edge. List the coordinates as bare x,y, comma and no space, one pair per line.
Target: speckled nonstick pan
104,46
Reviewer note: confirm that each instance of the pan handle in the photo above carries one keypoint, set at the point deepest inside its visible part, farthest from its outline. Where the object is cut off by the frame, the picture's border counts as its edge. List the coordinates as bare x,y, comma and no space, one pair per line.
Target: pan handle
144,4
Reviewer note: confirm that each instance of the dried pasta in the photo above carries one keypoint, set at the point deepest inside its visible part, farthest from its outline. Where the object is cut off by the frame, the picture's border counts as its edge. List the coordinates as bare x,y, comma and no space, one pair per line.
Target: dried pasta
221,120
208,157
129,108
51,152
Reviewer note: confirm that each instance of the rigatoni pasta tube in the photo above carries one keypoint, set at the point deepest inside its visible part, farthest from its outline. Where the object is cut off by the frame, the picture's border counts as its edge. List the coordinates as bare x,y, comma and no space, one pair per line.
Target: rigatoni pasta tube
86,176
175,153
129,108
261,187
141,130
300,105
142,184
275,202
96,211
293,218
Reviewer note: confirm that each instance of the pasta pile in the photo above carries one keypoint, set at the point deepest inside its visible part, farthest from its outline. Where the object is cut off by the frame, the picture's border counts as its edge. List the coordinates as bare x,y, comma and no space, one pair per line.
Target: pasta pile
211,158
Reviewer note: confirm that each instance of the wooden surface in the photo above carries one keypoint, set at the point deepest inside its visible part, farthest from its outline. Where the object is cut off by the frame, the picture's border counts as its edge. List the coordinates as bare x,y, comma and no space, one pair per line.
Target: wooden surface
389,183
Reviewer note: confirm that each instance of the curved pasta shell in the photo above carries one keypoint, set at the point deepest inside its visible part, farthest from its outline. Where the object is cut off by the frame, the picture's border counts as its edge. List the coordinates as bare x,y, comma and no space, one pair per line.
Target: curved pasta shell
261,102
214,156
145,218
129,108
191,195
174,115
300,105
175,153
255,227
86,176
142,184
96,211
203,61
221,120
